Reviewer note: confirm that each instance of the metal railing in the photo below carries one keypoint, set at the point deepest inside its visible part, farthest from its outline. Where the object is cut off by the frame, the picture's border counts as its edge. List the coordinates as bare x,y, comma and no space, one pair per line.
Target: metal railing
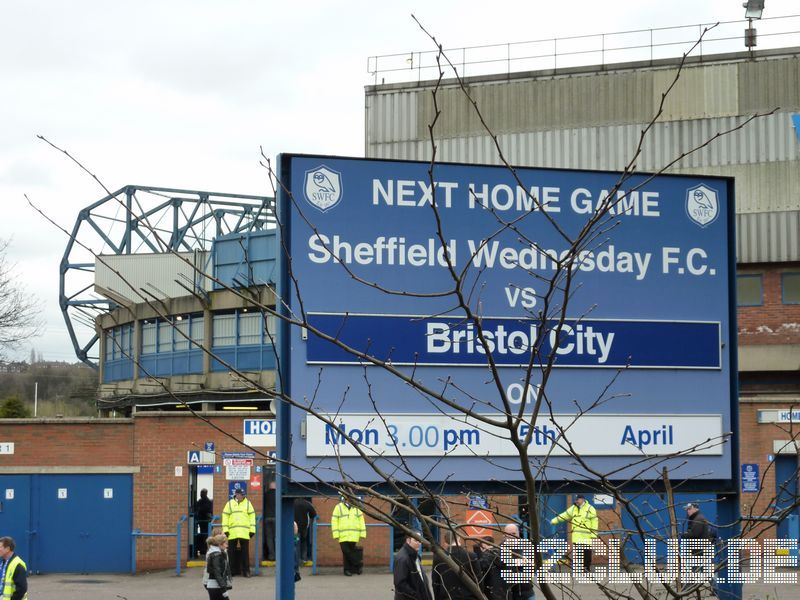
137,533
583,50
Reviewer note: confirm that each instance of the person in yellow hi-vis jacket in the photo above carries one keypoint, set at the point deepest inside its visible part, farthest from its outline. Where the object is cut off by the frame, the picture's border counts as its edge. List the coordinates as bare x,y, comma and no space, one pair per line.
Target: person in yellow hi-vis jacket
239,524
13,572
348,527
583,518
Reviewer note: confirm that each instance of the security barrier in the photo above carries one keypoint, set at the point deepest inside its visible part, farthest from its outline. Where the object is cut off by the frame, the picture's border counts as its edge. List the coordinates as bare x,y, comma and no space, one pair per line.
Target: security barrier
137,533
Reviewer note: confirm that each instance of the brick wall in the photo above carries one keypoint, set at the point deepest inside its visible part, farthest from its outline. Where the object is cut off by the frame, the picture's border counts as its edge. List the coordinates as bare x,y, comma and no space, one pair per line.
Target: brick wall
68,442
773,322
161,497
756,445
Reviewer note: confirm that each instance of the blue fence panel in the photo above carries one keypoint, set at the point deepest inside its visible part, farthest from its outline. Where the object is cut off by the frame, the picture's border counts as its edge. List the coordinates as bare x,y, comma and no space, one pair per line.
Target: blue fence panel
117,370
244,358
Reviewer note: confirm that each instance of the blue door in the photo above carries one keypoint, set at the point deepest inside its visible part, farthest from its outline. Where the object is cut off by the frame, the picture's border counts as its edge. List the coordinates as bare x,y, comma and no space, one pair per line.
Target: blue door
84,523
785,489
15,513
550,506
650,512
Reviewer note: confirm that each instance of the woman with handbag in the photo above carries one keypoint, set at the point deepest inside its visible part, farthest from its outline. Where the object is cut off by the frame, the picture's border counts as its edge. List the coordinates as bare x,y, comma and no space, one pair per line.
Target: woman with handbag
217,574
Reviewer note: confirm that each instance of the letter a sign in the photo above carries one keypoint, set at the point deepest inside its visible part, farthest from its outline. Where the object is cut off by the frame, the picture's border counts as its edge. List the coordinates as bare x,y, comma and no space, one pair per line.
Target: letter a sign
193,457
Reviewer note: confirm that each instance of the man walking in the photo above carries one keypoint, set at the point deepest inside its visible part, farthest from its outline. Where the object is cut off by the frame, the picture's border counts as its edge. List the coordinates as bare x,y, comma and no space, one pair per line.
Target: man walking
494,584
583,518
347,528
410,581
13,572
239,524
448,583
698,528
304,515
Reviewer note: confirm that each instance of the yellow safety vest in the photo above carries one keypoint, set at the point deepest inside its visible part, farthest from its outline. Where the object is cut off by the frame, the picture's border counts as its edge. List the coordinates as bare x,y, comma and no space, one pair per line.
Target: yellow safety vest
8,584
347,523
584,522
238,519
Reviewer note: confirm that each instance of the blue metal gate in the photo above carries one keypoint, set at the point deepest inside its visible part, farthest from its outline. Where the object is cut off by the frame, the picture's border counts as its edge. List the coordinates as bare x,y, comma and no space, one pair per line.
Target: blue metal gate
70,523
785,489
15,512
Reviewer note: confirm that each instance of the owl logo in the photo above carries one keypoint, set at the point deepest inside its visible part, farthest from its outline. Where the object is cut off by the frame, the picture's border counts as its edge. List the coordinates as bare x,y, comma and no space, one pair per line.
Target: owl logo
323,188
702,205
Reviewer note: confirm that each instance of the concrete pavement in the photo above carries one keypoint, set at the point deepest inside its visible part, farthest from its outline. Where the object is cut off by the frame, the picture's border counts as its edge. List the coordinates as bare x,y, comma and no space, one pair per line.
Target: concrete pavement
374,584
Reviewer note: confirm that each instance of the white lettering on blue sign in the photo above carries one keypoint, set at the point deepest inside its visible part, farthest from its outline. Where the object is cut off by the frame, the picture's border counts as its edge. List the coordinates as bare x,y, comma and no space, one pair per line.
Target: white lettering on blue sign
259,426
259,432
412,193
580,340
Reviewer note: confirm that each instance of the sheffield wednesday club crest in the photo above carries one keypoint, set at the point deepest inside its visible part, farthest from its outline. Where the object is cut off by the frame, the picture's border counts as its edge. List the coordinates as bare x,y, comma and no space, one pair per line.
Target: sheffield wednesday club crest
323,188
702,205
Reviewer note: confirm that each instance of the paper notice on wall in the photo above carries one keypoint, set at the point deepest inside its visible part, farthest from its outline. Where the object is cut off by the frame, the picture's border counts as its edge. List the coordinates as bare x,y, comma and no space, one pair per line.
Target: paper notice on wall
237,469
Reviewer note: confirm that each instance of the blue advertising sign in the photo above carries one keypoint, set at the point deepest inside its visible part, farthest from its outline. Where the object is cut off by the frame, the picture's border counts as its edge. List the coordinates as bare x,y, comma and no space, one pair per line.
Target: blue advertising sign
750,478
643,353
236,485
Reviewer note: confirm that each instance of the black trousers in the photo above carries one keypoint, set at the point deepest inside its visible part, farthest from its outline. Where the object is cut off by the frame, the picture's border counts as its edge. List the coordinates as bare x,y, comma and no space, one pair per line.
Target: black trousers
577,550
239,553
215,593
269,536
305,545
352,557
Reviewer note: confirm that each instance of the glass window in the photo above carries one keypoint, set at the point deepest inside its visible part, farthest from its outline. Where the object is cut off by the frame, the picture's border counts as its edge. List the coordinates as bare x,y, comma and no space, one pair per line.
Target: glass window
249,328
181,333
224,330
269,336
164,337
748,290
790,285
149,337
127,341
109,344
198,329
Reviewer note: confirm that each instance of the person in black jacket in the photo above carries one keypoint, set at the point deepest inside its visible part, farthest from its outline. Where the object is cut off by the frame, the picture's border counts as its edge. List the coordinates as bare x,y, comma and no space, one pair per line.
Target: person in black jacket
217,575
410,581
269,521
499,588
203,513
449,583
304,514
697,528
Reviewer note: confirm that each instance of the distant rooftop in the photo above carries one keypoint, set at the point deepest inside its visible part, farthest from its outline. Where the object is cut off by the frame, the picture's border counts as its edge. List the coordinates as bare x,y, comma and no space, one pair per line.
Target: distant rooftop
596,49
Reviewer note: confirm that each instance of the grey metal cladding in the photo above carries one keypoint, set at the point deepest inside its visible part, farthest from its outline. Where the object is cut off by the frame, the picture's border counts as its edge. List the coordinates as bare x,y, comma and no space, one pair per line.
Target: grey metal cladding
765,140
769,84
538,104
768,237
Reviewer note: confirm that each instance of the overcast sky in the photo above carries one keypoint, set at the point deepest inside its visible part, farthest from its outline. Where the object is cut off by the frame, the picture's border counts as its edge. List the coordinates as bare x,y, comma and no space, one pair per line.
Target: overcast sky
183,93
